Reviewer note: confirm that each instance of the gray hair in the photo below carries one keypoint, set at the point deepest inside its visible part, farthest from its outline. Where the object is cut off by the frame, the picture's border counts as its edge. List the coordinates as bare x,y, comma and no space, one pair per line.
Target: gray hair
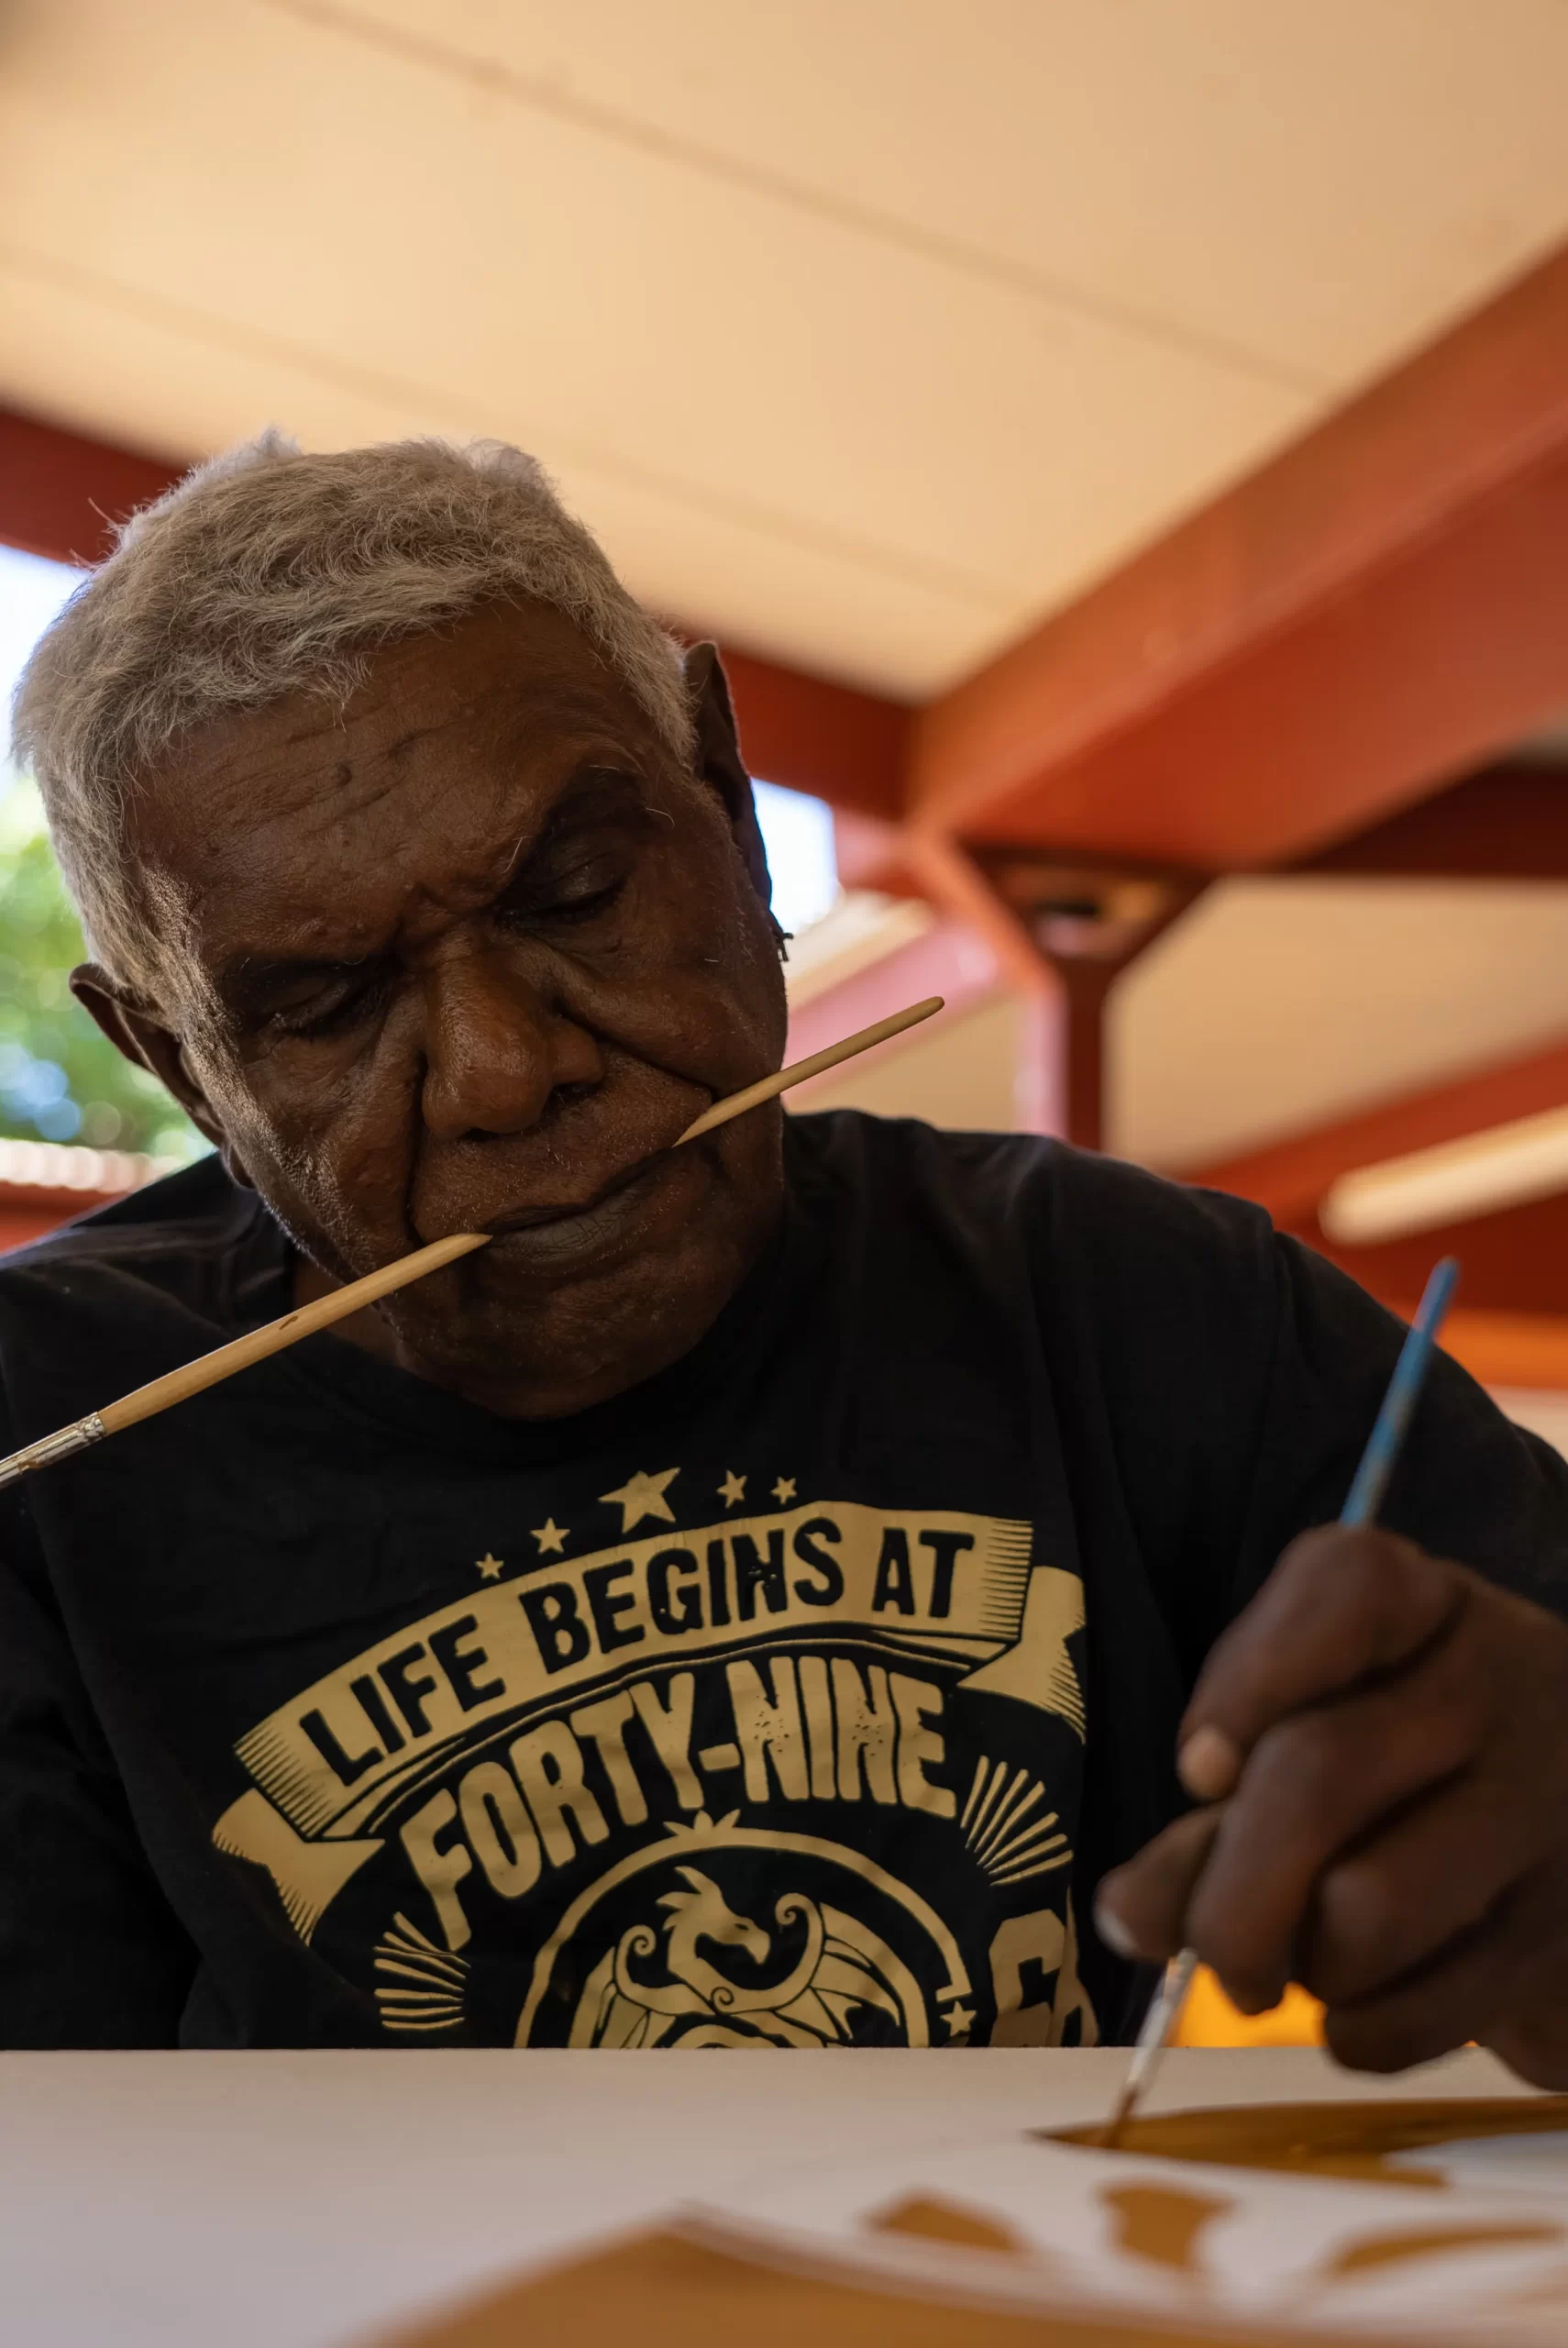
267,572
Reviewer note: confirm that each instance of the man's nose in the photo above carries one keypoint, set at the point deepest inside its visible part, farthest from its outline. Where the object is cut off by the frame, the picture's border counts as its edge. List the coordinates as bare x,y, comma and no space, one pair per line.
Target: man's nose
497,1047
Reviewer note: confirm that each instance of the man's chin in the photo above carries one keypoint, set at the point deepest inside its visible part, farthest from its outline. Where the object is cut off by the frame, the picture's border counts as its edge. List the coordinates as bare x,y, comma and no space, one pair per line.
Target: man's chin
576,1351
508,1335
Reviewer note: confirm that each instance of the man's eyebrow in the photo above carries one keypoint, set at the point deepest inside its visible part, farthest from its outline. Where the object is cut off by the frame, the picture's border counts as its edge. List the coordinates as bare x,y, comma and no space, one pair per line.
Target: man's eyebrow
597,791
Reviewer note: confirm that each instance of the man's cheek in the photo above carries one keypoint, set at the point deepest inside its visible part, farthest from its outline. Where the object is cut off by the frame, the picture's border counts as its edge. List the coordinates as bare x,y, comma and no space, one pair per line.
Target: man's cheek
334,1168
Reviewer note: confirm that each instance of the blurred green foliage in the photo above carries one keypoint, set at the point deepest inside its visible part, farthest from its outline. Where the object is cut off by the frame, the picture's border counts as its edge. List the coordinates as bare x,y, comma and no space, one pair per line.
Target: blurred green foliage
61,1080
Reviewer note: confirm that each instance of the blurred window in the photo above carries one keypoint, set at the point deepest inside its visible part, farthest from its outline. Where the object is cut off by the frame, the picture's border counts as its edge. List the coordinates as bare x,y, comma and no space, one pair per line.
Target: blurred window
797,831
60,1080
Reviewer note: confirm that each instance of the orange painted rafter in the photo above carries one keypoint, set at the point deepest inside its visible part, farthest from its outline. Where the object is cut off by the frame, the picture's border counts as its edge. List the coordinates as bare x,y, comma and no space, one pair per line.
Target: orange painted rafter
1384,604
812,734
1509,823
1507,1348
60,492
1290,1177
949,961
1515,1260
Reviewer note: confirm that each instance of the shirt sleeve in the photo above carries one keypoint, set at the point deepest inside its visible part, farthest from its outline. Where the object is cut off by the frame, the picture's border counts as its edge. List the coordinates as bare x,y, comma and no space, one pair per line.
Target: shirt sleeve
91,1954
1468,1483
1238,1375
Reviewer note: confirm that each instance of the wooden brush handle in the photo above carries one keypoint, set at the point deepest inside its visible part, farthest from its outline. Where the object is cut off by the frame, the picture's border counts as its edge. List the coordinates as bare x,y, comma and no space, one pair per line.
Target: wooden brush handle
179,1385
754,1095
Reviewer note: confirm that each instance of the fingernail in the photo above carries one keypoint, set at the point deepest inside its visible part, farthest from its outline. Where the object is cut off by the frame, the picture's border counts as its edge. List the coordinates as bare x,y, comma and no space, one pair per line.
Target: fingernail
1113,1931
1208,1764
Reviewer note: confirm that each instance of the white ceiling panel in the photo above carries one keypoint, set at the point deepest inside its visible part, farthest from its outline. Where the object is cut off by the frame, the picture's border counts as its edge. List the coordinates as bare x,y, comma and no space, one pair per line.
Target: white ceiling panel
1304,185
178,384
1276,1004
864,331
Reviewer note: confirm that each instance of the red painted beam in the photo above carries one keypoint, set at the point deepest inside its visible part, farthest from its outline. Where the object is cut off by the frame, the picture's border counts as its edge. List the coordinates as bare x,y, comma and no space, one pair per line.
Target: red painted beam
1383,605
1506,1348
1290,1177
60,491
1509,823
846,747
949,961
1515,1262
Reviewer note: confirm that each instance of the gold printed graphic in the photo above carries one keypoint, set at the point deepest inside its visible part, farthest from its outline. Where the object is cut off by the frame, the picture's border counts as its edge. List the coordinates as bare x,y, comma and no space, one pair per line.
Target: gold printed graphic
840,1967
309,1875
1036,1665
421,1987
1005,1827
851,1967
939,1582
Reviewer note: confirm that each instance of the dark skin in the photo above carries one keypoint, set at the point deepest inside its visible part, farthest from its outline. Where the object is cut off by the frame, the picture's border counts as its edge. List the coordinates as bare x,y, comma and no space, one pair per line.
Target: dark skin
481,951
1380,1743
475,950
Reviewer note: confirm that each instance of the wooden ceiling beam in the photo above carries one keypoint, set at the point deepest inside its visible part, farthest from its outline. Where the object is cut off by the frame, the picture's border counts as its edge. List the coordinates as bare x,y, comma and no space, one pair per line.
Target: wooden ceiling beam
1507,823
1290,1177
61,491
1514,1261
1505,1348
841,745
1383,605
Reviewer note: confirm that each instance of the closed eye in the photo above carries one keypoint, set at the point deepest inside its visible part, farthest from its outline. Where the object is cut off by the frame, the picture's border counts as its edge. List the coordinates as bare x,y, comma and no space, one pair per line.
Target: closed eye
332,1008
588,906
569,893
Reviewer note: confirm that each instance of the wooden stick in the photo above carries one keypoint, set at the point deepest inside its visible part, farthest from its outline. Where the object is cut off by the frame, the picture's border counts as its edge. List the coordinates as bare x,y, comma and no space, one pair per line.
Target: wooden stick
754,1095
209,1370
177,1385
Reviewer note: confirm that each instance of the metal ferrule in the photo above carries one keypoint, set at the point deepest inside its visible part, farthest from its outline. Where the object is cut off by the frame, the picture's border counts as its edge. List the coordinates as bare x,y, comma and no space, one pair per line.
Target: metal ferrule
50,1447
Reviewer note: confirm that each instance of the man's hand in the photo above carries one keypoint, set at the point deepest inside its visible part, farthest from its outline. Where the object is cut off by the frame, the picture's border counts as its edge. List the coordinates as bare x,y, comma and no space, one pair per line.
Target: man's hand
1386,1736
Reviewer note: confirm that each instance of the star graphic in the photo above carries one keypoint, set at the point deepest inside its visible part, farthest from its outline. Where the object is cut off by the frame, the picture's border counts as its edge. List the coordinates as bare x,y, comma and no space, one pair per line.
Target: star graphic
641,1495
551,1537
958,2019
733,1488
490,1568
784,1490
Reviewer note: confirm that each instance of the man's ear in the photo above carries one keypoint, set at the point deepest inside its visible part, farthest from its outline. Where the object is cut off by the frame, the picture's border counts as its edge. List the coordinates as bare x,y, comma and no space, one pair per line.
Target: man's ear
719,759
147,1042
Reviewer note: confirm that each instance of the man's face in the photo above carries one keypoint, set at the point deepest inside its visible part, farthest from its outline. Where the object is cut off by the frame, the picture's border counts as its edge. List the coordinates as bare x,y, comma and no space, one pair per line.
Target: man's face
480,952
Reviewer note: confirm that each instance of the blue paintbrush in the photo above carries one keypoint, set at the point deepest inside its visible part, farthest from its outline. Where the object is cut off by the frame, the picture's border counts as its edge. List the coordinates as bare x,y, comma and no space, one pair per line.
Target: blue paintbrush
1362,1504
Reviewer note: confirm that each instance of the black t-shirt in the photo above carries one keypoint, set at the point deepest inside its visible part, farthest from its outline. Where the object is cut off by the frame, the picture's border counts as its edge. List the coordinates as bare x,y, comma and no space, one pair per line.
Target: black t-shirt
798,1697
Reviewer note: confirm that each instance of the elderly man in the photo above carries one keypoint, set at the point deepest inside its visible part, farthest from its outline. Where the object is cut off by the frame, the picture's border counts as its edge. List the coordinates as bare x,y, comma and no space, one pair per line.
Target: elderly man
760,1597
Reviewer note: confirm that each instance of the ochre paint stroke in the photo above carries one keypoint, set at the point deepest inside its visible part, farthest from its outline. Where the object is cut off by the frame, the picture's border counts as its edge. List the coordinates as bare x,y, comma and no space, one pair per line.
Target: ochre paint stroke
933,2218
662,2291
1352,2140
1162,2222
1392,2250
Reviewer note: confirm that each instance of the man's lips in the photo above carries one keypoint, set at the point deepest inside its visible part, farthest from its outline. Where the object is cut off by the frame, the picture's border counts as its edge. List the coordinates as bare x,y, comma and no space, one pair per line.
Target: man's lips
535,1218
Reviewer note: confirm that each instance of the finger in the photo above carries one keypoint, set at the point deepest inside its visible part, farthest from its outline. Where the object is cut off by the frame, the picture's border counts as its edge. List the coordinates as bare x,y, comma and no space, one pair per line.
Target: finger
1471,1991
1323,1780
1530,2031
1425,1882
1342,1603
1139,1910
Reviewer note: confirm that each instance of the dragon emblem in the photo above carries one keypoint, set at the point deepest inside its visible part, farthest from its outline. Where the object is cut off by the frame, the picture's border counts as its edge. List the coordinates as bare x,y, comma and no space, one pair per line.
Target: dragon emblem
716,1990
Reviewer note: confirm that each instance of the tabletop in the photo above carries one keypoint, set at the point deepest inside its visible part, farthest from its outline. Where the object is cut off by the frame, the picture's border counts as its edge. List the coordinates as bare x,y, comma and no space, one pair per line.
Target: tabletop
302,2200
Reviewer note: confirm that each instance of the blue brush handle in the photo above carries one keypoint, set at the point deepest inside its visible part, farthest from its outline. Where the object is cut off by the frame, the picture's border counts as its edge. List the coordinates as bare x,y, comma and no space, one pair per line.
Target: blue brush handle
1365,1496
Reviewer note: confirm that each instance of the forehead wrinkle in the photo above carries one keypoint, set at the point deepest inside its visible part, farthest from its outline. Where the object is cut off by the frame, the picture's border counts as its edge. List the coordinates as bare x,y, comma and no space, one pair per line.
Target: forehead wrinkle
474,875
